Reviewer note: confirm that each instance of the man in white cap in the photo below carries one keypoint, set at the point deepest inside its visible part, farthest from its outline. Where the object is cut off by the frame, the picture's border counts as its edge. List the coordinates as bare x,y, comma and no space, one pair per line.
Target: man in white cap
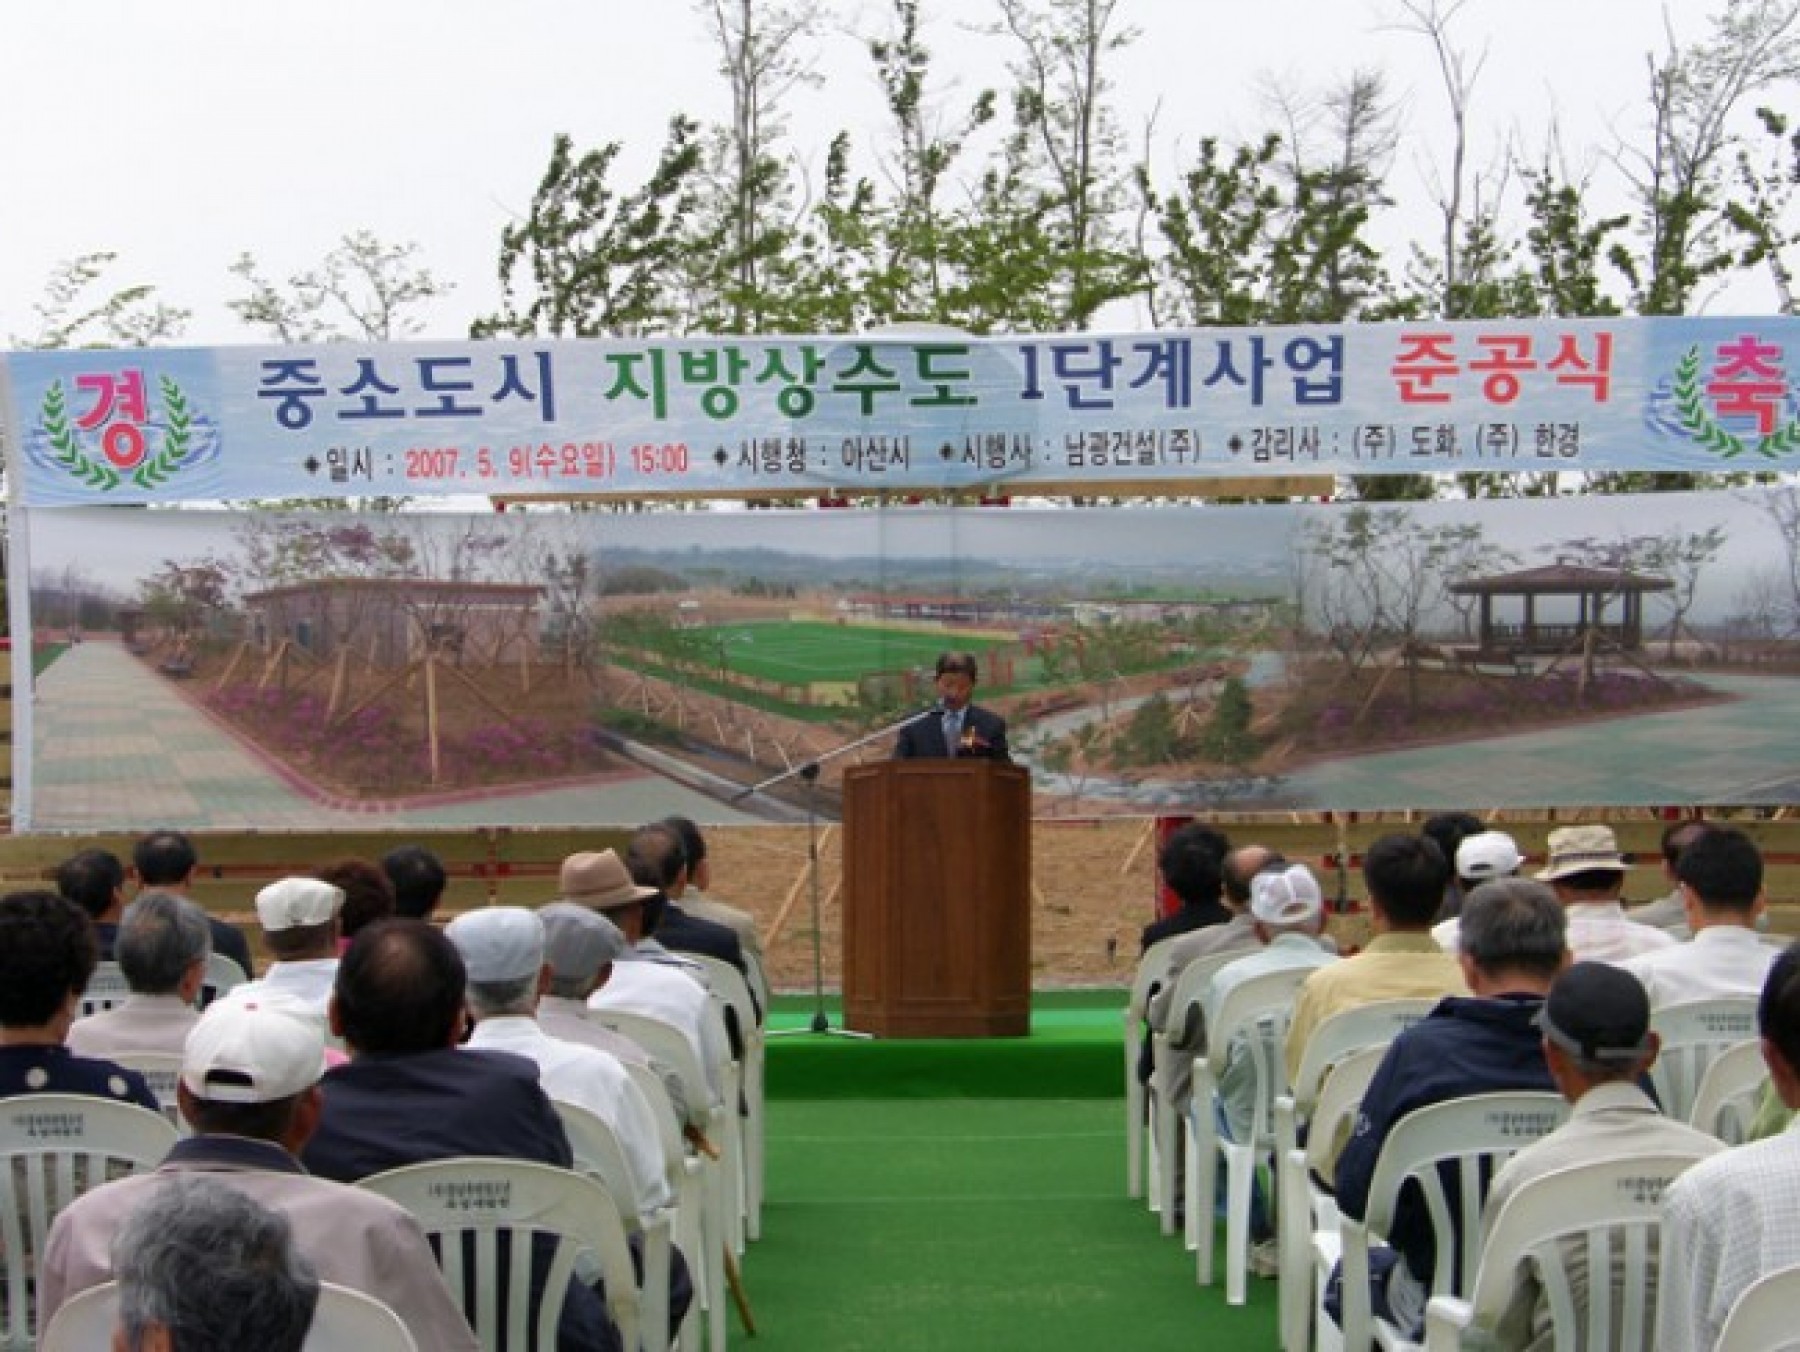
502,948
299,919
1587,873
249,1088
600,881
1480,858
1288,909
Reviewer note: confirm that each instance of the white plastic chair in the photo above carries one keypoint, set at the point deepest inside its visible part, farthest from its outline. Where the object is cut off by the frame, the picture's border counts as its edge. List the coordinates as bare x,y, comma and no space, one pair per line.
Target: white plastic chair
1692,1034
1310,1241
1474,1136
686,1173
599,1155
669,1045
1152,973
222,974
1255,1017
732,992
1602,1217
1343,1035
1165,1120
106,988
344,1321
1762,1318
1725,1103
162,1072
53,1148
484,1198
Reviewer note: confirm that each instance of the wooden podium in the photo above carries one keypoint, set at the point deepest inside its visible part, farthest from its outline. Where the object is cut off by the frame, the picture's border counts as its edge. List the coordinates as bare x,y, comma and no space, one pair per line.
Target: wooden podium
937,899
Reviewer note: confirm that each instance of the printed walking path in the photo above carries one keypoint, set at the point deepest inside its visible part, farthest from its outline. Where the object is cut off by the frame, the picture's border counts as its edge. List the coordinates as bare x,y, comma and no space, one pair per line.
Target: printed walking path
117,746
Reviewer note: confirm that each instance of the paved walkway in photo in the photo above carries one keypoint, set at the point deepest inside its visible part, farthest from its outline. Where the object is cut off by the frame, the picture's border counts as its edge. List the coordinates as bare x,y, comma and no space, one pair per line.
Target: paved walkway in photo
117,746
1745,750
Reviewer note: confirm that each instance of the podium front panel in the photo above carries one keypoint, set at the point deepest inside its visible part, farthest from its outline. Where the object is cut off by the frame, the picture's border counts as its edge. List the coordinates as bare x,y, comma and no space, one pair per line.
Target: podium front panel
937,899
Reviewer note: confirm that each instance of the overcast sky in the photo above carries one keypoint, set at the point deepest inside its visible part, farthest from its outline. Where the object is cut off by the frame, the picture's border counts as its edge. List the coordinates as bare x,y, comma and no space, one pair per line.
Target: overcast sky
181,133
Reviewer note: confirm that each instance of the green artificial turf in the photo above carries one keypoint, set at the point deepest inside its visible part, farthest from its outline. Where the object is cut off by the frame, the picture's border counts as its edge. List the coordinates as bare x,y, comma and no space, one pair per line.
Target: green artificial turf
972,1224
1072,1052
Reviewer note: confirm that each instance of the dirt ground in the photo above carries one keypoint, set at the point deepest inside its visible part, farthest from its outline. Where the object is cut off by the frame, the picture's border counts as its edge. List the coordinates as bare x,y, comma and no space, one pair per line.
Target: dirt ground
1092,885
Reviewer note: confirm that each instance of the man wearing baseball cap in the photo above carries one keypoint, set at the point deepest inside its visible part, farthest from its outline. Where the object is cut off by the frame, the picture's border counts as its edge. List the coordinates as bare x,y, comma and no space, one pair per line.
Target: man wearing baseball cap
1479,859
1598,1046
1588,873
249,1088
299,918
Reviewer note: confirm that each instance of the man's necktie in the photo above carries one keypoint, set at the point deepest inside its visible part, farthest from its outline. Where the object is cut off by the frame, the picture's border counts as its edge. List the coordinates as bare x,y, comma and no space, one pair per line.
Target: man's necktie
952,729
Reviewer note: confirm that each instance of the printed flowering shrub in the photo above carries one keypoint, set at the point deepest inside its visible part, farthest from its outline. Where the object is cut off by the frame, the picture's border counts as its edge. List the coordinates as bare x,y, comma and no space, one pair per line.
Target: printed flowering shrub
1450,706
375,750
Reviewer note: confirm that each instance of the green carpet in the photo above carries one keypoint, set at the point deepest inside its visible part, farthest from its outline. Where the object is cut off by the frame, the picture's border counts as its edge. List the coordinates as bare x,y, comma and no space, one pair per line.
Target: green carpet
1071,1053
972,1224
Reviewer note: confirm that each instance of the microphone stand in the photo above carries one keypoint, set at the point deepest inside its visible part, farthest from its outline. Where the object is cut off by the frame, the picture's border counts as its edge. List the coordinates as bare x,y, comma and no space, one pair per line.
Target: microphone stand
808,775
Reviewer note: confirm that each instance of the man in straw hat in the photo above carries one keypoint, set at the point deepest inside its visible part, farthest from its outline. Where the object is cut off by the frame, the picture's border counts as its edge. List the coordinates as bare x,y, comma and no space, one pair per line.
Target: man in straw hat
600,881
1587,873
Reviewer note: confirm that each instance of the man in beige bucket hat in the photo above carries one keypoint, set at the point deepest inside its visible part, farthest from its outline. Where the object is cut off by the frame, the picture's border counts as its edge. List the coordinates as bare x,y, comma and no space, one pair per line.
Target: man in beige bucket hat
1587,872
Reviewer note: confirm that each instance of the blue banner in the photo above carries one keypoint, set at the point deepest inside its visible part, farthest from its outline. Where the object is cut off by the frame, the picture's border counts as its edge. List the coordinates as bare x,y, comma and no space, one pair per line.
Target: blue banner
723,417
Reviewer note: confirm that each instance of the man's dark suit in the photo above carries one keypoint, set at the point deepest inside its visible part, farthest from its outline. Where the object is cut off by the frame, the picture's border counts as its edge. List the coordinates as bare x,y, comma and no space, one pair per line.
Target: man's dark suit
683,933
1184,921
383,1111
923,737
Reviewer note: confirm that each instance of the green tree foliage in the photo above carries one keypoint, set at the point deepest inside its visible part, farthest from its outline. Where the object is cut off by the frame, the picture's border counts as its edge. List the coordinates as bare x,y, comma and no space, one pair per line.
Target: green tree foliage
84,307
365,290
1228,738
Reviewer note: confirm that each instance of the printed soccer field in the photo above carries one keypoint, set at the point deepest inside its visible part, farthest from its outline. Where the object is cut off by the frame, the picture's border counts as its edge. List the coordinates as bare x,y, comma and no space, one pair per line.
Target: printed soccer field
800,651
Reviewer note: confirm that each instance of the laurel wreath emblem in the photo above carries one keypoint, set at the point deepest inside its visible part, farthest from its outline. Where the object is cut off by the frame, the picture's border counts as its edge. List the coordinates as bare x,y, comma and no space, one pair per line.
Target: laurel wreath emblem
1698,422
65,446
178,433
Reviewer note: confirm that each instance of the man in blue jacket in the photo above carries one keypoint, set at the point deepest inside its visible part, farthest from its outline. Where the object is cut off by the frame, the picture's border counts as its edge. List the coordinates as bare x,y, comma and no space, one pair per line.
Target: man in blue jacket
1512,947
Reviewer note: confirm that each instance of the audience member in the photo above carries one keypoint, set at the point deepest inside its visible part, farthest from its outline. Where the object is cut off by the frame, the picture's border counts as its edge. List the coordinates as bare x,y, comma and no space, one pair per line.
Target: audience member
410,1093
203,1268
368,895
600,881
419,880
1731,1219
1599,1047
249,1090
1669,911
580,947
47,955
1588,873
162,947
1480,858
300,927
166,861
502,950
1514,943
655,858
698,900
1405,877
1448,830
1720,878
95,881
1191,865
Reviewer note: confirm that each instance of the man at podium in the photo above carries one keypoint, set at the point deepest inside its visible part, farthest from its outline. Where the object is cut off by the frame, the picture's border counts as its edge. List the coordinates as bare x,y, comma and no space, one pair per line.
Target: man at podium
955,727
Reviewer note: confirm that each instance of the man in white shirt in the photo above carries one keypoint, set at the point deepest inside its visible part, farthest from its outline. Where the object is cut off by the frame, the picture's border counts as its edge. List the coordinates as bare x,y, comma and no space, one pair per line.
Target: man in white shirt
1587,872
1736,1217
161,948
299,919
1721,884
502,948
1668,912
